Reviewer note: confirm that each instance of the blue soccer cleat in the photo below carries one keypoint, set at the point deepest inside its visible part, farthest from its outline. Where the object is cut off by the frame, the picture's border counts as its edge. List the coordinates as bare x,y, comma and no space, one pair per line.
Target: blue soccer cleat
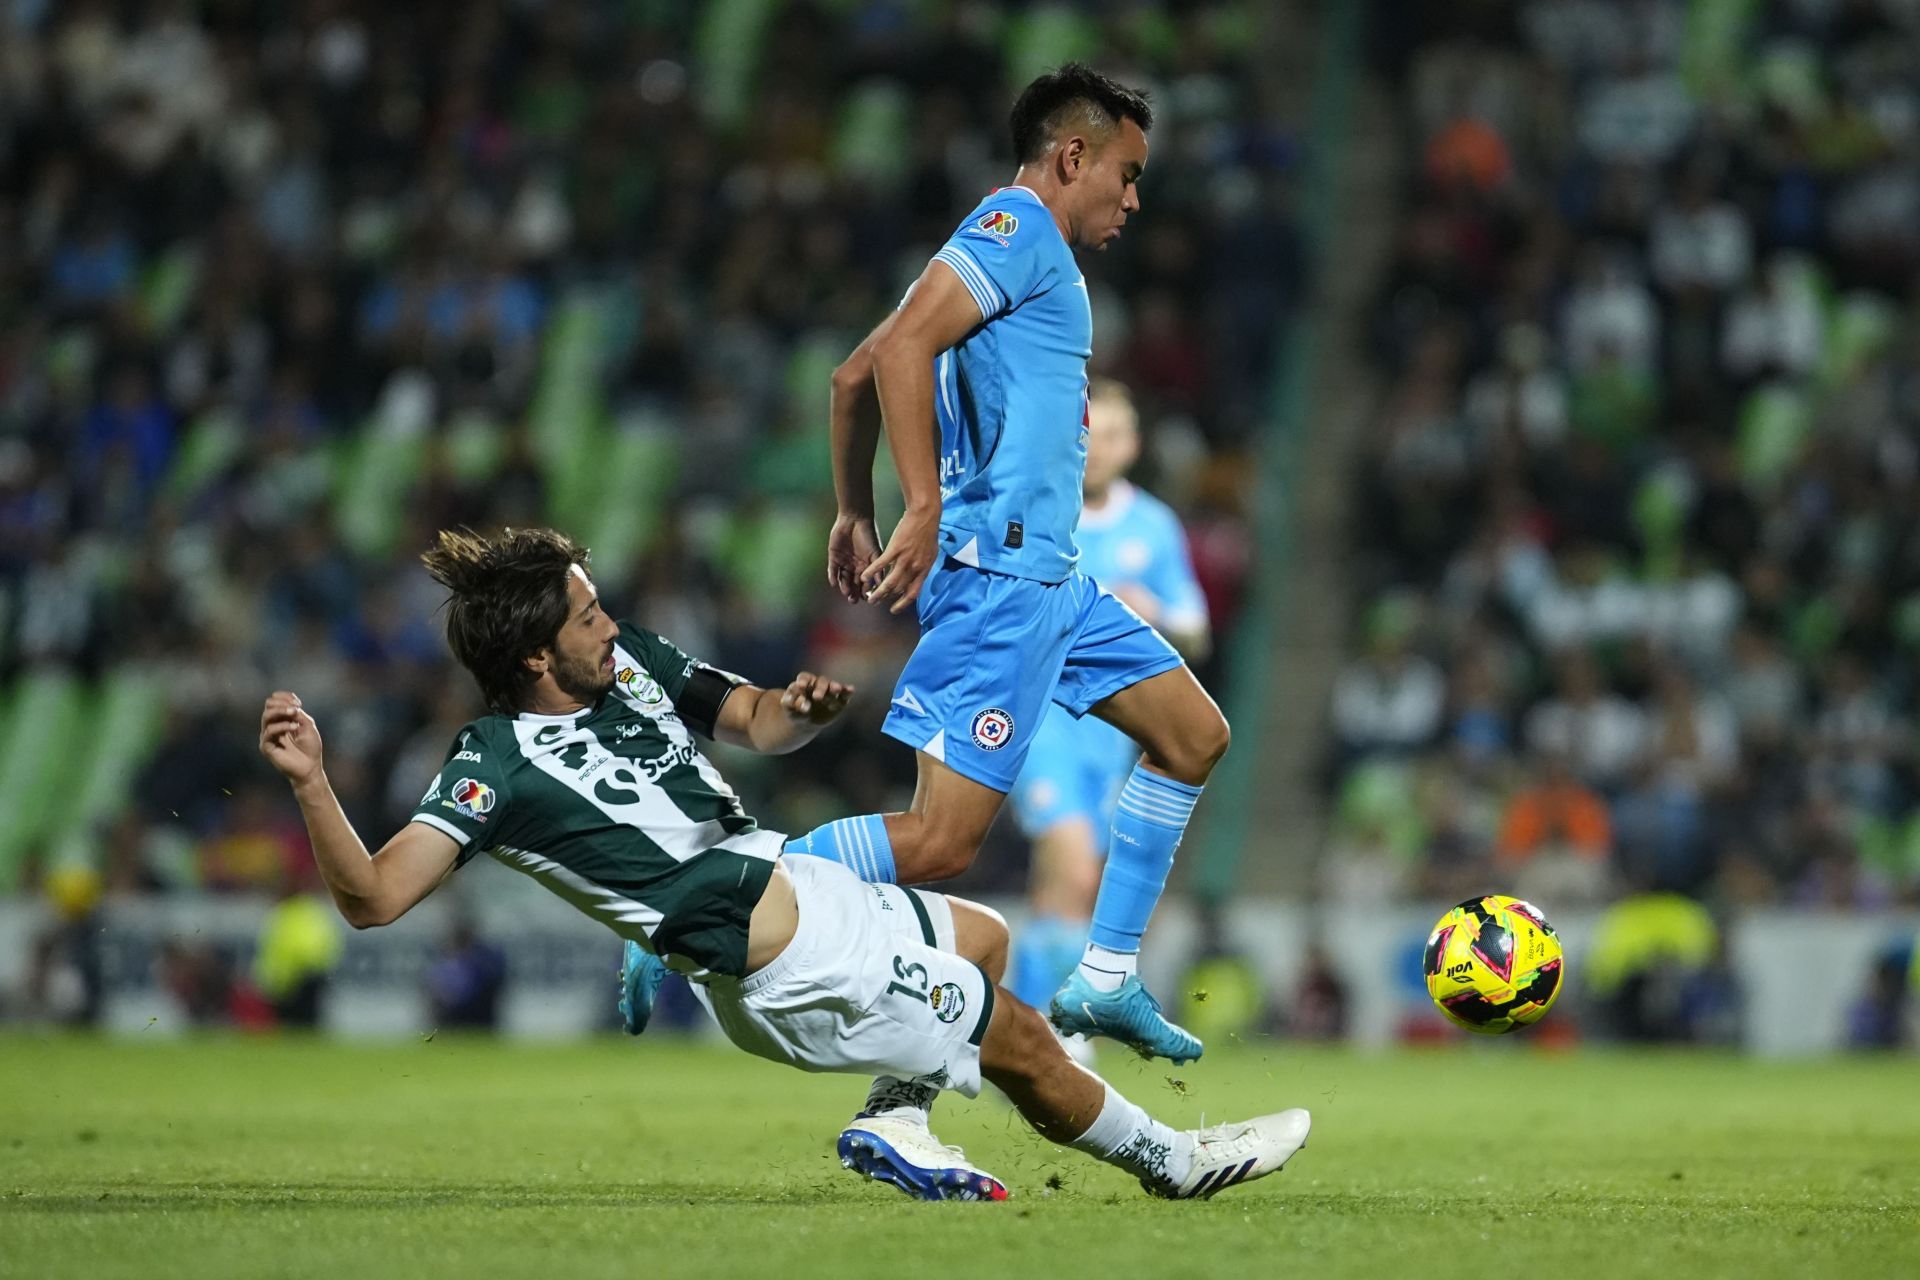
1130,1015
641,974
906,1155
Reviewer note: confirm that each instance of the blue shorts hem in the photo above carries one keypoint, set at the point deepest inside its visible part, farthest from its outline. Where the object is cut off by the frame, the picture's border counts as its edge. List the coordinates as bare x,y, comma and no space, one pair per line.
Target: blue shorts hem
1157,665
964,765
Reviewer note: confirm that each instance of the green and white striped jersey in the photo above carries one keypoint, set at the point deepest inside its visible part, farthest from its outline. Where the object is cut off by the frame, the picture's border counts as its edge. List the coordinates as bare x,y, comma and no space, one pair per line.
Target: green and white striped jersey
615,809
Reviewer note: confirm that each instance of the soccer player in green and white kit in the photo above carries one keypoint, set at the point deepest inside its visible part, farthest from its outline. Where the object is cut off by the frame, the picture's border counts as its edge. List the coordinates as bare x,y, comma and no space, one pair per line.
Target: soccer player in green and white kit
586,777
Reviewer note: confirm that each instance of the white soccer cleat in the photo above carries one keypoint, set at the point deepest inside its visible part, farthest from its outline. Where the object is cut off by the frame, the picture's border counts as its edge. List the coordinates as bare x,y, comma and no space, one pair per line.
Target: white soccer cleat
1226,1155
905,1154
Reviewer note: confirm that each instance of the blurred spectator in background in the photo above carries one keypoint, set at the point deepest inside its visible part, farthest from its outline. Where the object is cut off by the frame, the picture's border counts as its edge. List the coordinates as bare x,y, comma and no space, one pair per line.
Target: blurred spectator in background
64,971
1883,1016
200,978
1657,970
466,979
1318,1010
298,947
1555,837
1650,340
281,293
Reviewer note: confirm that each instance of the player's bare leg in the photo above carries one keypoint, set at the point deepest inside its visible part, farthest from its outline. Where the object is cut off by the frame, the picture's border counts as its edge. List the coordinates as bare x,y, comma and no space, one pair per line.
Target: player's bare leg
1182,735
890,1138
1179,727
1068,1104
980,934
1066,870
1062,884
940,835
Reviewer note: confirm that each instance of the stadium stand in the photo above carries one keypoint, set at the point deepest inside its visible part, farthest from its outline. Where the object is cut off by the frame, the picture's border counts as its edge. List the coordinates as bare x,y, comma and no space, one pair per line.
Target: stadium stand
282,290
1642,604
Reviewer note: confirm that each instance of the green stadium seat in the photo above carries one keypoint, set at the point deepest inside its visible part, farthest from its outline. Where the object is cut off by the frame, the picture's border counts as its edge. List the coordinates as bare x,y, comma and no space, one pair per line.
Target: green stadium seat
167,287
1659,513
212,442
873,127
635,471
727,54
569,409
124,718
46,730
1043,38
1377,798
370,489
1859,327
1775,423
809,377
773,551
475,444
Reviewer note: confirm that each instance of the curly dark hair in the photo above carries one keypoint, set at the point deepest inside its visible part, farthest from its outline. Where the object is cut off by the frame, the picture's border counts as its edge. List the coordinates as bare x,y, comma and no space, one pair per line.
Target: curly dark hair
1045,105
509,601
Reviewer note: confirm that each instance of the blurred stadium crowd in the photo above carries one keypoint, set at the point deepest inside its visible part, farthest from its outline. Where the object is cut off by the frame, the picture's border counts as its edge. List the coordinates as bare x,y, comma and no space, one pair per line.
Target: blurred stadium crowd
1641,534
284,288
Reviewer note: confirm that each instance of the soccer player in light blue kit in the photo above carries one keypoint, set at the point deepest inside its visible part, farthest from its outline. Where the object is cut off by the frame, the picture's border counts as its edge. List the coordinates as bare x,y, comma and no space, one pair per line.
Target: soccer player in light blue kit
1132,544
980,383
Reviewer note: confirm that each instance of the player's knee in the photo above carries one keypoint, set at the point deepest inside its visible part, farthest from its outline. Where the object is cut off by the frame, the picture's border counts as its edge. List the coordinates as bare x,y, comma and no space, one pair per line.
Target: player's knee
941,854
981,935
1196,748
1215,737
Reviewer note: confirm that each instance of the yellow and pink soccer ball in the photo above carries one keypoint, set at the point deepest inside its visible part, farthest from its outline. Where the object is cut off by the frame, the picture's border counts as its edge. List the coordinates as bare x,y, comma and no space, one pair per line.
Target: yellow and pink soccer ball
1494,964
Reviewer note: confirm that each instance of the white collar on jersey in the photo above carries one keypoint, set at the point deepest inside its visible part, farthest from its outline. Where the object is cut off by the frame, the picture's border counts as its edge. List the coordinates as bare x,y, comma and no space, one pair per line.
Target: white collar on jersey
1120,496
536,717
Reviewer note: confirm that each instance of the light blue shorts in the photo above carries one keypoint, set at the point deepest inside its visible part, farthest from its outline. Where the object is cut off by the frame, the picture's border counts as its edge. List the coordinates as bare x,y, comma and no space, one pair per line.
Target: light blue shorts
995,651
1075,769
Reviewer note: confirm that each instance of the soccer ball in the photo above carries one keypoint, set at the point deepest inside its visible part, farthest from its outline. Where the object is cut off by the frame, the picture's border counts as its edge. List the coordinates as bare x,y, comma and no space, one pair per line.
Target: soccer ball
1493,964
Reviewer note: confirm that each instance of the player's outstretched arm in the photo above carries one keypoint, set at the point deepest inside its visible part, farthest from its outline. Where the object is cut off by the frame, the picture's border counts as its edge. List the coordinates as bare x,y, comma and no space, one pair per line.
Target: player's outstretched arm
938,313
369,889
776,721
854,414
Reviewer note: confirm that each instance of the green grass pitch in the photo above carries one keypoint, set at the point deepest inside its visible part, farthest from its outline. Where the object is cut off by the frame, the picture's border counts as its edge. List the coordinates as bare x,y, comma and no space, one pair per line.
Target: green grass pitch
451,1157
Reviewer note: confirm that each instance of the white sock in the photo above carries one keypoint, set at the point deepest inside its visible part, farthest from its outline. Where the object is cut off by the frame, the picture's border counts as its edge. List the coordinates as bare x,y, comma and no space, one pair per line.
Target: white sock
1107,970
899,1099
1126,1136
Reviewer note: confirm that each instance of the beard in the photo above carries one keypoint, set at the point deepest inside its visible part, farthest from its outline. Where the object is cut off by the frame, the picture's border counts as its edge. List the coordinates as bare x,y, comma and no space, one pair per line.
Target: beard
583,679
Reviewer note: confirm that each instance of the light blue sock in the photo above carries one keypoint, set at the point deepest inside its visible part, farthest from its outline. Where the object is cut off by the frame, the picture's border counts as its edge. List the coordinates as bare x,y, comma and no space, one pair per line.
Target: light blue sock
858,844
1147,826
1044,953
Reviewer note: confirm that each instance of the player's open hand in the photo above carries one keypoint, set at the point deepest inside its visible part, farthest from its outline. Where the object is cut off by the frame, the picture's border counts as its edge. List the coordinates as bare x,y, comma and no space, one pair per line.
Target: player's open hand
815,699
901,569
851,547
289,738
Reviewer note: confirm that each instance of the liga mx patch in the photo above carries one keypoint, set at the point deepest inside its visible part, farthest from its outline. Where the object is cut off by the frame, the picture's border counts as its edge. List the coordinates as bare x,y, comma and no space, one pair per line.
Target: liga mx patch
948,1001
640,686
992,729
999,223
471,798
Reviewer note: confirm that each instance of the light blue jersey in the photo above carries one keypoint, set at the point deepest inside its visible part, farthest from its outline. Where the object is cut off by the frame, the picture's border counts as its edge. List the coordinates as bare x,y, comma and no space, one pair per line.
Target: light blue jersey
1011,398
1008,623
1132,544
1135,543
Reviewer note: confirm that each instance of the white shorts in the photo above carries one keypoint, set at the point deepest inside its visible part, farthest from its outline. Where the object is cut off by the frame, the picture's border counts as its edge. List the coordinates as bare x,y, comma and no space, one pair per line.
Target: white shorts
869,985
